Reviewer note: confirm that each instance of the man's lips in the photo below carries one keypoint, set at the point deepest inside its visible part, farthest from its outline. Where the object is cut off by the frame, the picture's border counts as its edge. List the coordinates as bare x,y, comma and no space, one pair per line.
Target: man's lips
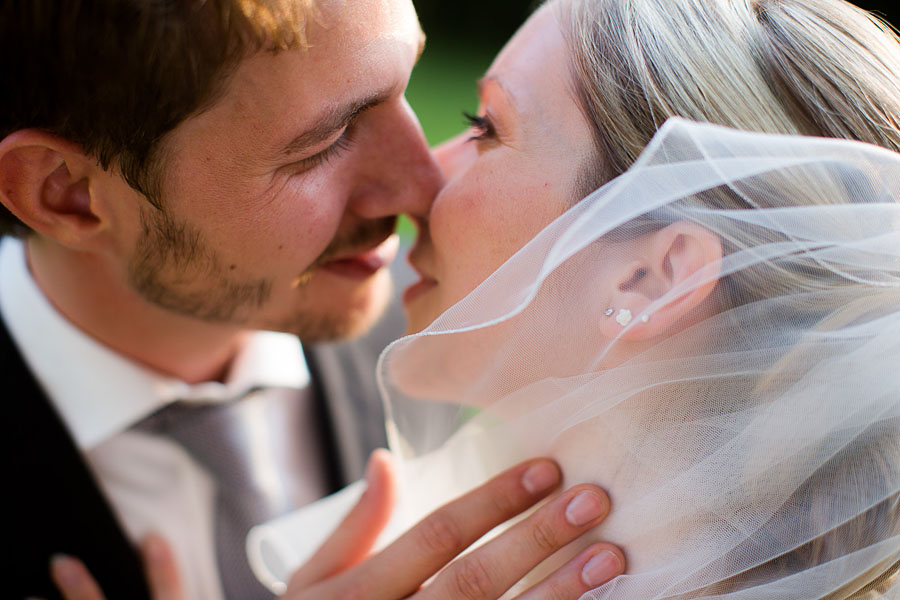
362,264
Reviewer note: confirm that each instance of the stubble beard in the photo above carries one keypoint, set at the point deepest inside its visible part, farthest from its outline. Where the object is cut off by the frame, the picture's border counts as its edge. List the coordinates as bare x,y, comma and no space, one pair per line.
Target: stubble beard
171,257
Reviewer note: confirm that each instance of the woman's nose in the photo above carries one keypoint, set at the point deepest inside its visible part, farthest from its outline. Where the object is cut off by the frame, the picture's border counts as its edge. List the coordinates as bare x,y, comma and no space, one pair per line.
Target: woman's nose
454,155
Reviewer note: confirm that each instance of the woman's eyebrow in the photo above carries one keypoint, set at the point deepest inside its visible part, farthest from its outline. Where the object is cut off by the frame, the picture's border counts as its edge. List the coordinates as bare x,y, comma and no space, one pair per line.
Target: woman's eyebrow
488,81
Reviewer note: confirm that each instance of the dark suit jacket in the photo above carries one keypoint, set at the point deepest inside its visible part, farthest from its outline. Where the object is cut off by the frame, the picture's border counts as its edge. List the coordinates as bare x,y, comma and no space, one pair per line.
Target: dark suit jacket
57,506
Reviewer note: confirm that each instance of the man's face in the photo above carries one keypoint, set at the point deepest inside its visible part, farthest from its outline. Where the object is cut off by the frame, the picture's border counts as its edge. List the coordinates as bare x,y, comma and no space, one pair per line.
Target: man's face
280,200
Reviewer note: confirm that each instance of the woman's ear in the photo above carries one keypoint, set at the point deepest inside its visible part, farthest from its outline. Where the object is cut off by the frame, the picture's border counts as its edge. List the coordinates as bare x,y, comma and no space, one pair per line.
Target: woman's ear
661,263
45,182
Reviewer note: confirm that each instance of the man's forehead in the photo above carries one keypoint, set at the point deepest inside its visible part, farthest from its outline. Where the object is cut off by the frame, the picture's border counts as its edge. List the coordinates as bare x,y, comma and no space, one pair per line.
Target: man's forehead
363,18
344,41
275,98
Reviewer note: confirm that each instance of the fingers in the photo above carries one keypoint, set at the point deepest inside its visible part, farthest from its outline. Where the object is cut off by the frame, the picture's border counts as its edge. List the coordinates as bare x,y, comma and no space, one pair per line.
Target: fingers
76,583
162,572
425,549
73,579
589,570
495,567
354,538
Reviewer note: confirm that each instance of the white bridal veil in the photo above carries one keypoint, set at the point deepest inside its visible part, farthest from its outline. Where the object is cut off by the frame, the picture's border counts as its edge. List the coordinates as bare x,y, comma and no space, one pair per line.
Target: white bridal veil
754,454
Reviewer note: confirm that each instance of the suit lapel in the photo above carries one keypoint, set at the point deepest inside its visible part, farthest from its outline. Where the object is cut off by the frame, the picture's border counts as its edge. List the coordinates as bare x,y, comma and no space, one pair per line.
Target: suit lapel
57,506
352,420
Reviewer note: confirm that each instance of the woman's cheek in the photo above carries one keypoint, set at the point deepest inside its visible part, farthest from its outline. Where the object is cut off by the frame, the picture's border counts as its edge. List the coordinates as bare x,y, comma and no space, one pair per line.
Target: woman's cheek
454,214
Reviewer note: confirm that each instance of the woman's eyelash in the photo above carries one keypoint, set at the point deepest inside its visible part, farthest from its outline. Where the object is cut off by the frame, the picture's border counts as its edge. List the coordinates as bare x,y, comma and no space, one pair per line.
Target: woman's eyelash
482,125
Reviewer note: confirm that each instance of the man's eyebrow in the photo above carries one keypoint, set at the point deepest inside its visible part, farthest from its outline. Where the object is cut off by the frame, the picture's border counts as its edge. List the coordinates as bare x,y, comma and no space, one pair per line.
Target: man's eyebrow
333,121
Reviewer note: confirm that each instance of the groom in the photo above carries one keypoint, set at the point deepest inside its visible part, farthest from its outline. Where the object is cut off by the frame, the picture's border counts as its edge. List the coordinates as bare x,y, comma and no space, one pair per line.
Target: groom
186,178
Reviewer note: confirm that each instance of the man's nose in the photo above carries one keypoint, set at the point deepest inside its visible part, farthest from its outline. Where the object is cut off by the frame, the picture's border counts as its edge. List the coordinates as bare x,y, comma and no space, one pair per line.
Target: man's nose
404,176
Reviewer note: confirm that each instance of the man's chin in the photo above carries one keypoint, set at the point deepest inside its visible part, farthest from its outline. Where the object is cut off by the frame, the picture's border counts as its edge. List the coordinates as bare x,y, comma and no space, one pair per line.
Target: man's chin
342,321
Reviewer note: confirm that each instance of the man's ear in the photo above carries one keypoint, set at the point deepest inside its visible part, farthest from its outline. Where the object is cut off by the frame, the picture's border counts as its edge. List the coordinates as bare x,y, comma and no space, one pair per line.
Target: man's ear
663,261
45,181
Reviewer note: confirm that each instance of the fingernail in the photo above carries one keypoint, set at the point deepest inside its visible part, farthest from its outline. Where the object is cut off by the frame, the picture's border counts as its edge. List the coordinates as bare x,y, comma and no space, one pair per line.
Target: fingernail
370,468
65,570
540,477
601,568
584,508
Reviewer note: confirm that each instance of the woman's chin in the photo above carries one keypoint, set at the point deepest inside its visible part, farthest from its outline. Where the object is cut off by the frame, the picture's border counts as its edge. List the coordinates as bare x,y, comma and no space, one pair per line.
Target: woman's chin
421,305
417,320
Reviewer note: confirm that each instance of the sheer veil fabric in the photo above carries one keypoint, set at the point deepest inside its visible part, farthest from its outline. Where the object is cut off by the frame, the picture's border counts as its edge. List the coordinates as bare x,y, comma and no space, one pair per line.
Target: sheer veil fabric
753,454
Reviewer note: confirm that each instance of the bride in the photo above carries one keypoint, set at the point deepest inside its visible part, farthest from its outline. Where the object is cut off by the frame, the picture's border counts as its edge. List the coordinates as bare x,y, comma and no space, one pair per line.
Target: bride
713,335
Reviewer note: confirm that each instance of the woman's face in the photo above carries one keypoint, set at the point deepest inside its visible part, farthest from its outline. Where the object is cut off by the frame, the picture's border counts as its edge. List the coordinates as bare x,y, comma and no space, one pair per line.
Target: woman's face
507,177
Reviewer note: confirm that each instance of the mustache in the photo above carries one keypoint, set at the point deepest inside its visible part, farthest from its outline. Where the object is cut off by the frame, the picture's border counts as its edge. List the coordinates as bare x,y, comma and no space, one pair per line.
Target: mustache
369,233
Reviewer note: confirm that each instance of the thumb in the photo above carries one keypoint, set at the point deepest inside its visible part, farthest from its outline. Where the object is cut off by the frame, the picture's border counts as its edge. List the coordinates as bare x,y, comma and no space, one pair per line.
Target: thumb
352,541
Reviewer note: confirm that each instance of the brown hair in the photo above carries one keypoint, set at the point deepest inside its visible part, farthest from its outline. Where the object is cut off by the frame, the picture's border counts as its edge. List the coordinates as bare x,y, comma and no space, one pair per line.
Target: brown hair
115,76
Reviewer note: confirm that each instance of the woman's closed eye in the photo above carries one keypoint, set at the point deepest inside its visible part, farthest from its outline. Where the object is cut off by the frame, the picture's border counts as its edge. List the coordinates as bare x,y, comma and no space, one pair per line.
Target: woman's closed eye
482,126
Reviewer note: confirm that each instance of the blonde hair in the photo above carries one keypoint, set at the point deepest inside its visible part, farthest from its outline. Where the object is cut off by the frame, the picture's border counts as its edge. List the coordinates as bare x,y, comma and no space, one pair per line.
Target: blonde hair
810,67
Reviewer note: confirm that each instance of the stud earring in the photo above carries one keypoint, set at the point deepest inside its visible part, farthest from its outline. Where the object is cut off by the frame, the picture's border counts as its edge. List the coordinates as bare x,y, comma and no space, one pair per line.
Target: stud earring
609,312
624,317
645,319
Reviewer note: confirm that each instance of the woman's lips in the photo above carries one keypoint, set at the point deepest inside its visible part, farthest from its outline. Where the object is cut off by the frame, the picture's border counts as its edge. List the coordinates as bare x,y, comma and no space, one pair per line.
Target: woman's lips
418,259
365,264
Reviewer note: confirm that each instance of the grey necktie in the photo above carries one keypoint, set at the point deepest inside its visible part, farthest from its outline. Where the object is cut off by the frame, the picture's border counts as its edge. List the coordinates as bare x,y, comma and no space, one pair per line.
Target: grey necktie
254,450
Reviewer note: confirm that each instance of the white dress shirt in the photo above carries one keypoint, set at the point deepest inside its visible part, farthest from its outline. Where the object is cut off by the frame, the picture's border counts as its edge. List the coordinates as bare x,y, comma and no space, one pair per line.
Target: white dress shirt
151,482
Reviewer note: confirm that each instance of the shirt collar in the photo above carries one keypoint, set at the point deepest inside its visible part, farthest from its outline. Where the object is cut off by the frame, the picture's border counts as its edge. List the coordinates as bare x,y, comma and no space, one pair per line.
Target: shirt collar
99,392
